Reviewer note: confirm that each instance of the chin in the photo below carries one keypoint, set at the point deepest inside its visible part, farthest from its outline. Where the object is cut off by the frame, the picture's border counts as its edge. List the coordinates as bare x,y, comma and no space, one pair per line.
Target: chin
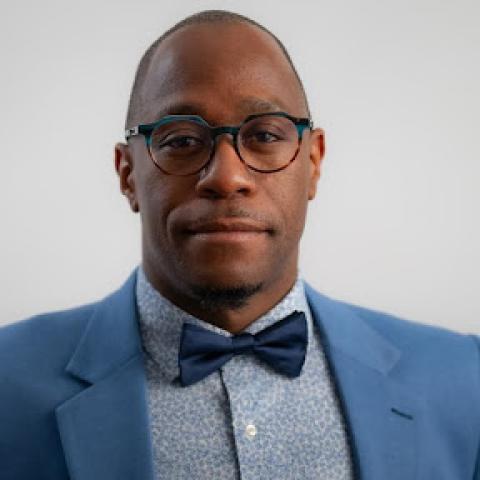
225,288
222,296
227,275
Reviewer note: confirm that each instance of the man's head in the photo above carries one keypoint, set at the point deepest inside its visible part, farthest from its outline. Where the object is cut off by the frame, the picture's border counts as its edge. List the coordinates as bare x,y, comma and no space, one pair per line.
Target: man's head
223,68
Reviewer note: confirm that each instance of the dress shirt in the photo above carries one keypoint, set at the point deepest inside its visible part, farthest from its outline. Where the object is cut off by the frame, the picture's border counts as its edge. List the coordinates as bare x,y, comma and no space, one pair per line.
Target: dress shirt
244,421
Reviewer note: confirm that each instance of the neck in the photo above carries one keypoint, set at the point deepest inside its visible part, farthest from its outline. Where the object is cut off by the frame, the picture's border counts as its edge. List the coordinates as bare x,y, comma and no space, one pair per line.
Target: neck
233,319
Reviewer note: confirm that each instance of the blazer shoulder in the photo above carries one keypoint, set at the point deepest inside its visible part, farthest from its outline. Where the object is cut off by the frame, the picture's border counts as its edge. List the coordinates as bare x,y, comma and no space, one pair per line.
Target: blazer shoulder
41,340
398,330
47,323
44,344
406,333
427,351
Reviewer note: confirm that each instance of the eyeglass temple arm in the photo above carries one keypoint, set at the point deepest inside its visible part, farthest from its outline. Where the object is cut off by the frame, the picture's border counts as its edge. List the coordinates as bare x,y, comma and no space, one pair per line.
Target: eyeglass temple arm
131,132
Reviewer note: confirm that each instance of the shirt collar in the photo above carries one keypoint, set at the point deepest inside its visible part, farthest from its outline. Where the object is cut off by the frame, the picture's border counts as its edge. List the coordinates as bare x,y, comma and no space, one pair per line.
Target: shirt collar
161,322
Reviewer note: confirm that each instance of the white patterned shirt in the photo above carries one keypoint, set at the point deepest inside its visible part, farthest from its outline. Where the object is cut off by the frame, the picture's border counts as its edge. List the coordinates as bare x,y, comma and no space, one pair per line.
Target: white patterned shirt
244,421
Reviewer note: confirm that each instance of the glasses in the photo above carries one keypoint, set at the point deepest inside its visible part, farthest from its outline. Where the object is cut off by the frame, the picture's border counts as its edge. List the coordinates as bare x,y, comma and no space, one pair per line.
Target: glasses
185,144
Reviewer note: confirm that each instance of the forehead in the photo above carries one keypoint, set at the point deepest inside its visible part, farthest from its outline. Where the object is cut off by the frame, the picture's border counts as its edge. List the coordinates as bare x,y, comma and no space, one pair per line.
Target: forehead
220,71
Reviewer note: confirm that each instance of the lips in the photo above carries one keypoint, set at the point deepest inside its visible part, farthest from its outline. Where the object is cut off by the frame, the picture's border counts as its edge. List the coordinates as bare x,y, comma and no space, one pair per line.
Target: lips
226,226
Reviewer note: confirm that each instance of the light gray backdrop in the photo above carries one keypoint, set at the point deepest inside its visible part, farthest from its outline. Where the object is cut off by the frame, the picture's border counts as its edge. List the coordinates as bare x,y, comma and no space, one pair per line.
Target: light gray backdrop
395,85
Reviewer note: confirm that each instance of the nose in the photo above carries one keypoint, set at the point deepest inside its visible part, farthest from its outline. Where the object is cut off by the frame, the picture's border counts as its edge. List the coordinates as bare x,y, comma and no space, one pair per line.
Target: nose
225,175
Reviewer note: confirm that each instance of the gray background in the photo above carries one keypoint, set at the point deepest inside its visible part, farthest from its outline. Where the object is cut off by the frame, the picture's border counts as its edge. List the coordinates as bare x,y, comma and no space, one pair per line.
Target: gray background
395,225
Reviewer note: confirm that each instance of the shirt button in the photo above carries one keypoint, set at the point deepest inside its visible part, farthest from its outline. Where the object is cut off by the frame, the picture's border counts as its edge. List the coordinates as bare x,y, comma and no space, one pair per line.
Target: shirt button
250,430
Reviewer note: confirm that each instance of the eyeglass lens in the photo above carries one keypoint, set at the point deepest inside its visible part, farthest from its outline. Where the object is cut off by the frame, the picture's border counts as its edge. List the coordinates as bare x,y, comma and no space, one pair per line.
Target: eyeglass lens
265,143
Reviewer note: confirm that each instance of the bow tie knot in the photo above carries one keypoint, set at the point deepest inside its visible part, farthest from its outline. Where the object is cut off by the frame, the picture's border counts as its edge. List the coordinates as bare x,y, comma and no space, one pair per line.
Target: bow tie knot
243,343
281,345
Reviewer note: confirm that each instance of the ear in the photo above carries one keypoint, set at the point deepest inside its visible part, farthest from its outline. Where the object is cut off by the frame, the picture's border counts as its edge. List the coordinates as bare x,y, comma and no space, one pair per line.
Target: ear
317,152
124,168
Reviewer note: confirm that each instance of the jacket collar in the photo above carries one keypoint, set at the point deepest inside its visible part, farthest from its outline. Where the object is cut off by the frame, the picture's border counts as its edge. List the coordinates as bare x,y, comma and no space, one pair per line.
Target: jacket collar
111,337
343,330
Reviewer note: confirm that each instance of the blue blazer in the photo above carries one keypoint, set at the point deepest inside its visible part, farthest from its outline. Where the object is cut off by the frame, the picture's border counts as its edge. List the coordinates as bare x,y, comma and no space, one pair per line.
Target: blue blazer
73,394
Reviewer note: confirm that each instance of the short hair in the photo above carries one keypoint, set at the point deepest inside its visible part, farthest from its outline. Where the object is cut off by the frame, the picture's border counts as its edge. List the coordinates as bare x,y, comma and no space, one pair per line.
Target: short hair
206,16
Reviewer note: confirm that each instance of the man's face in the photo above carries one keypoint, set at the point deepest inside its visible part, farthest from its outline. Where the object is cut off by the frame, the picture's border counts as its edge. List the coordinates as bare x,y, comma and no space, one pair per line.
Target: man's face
222,73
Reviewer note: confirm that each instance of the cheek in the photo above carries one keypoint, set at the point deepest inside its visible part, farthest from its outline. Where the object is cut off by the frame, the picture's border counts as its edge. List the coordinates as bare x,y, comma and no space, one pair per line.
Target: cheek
158,197
289,195
295,214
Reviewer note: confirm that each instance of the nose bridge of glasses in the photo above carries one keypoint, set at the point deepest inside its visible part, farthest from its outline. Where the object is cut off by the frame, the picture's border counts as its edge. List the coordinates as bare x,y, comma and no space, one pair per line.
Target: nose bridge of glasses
218,131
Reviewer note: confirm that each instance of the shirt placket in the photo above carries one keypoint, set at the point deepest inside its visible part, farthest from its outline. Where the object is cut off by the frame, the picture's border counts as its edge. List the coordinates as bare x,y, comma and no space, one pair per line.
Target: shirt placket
245,382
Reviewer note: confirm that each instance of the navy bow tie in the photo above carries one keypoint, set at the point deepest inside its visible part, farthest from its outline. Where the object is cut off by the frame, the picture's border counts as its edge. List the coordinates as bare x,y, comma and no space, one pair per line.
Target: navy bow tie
282,346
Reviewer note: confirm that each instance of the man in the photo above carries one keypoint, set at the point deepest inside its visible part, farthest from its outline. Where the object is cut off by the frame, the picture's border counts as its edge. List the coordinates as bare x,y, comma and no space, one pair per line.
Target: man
215,360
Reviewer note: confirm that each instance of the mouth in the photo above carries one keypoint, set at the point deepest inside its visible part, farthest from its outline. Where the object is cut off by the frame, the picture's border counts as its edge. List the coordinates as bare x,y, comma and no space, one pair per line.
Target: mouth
228,229
226,226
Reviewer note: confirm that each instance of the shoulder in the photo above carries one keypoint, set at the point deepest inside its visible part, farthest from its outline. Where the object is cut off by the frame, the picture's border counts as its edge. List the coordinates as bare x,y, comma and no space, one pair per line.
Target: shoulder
412,336
405,334
427,354
439,353
42,340
56,334
34,381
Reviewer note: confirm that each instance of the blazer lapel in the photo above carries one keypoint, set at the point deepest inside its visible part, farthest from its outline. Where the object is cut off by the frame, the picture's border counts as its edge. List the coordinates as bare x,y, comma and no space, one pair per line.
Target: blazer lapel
105,428
381,413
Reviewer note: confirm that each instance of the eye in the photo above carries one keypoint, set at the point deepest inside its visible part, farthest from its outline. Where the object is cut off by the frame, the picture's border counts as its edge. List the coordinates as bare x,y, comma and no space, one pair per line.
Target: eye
178,144
264,131
178,137
264,136
181,142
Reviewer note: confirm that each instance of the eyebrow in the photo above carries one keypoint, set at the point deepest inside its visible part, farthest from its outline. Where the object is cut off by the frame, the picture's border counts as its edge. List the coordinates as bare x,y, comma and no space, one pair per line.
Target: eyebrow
247,105
179,109
258,105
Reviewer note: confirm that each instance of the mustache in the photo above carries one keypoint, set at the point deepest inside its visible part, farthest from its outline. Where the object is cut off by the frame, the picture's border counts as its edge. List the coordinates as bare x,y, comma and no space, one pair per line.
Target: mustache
228,213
